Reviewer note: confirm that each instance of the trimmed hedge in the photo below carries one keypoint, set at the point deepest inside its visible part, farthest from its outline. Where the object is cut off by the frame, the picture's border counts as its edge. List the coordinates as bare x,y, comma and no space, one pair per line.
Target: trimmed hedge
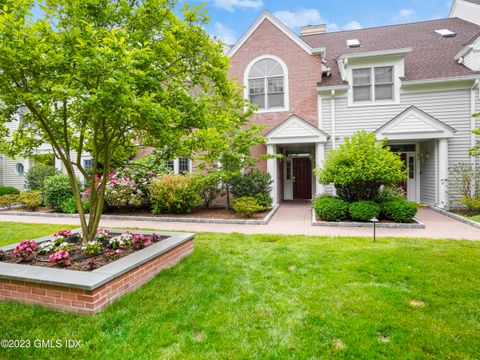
329,208
246,206
364,211
399,210
174,194
8,190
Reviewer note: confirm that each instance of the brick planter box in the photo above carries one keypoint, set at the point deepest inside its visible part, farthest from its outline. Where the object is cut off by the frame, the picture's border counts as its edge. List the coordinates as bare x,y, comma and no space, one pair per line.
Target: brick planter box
85,292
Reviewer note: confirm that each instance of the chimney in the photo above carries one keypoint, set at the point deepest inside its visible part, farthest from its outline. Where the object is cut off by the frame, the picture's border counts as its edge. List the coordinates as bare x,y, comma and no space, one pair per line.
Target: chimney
313,29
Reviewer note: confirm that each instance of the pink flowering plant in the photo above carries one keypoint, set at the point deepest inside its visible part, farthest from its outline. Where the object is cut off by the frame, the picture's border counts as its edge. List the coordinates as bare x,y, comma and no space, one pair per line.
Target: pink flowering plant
115,253
62,236
120,241
140,241
60,258
102,234
25,251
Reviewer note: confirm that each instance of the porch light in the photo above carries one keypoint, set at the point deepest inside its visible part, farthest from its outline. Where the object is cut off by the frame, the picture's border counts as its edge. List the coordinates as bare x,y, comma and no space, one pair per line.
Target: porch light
374,221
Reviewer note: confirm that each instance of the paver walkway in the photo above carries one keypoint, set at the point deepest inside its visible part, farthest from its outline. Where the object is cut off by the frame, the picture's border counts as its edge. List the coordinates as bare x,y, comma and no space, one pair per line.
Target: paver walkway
290,219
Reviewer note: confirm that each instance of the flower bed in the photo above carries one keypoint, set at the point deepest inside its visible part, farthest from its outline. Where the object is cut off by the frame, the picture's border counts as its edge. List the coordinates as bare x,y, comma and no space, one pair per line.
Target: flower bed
70,283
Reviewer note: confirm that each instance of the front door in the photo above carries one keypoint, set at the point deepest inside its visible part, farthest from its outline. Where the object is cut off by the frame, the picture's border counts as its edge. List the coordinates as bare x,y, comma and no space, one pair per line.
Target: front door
302,179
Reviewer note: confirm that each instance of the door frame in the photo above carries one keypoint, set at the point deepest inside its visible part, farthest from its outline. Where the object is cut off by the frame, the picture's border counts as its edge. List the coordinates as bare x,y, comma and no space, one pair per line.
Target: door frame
417,164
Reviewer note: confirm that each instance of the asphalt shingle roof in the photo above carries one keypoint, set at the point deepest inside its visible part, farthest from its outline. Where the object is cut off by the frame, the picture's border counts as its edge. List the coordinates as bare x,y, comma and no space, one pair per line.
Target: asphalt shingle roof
432,55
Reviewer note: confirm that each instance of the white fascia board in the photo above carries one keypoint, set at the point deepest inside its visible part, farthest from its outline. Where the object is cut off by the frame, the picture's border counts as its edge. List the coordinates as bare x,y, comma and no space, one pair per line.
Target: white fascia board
440,80
333,87
368,54
282,27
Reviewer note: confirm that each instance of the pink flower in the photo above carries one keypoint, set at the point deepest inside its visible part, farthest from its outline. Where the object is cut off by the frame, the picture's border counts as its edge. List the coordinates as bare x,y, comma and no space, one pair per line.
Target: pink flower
60,258
24,250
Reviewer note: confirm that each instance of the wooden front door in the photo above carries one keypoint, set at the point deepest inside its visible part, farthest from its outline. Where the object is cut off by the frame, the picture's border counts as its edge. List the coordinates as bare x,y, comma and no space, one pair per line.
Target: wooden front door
302,179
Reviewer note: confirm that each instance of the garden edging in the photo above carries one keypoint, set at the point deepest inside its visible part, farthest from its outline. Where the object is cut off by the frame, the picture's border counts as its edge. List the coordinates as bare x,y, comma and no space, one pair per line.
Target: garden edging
89,292
263,221
416,225
455,216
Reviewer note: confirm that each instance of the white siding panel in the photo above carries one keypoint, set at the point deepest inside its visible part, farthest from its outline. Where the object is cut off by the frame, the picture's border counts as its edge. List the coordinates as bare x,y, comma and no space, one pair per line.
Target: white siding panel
467,11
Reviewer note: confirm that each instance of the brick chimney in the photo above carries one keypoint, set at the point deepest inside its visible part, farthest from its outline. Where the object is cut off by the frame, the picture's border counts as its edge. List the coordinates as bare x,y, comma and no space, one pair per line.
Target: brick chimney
313,29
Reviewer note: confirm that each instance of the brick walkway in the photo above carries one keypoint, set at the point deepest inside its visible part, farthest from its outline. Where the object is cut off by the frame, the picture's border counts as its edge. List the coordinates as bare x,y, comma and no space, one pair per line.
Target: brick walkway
291,219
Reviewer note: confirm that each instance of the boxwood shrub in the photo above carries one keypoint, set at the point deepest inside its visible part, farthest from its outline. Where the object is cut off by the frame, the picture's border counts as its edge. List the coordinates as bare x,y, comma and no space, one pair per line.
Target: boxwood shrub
8,190
246,206
330,208
364,210
399,210
56,190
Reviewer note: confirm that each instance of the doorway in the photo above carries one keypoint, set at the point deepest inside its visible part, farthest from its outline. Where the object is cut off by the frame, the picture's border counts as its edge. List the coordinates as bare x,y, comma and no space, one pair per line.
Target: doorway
302,178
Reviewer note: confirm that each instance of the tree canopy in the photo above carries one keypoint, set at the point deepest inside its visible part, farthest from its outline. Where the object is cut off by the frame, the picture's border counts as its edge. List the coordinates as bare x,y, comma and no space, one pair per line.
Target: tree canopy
101,76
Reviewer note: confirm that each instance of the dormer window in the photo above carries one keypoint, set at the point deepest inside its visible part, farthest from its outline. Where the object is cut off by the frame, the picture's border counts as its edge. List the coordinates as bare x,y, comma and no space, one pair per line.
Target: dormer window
266,84
373,84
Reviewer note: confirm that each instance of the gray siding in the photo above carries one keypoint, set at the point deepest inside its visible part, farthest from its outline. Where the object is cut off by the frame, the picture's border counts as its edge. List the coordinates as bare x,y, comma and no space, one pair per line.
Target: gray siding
450,106
428,173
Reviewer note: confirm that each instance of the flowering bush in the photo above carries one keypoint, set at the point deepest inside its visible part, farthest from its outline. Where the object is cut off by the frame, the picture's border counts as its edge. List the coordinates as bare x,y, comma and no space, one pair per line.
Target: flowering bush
62,236
128,187
141,241
92,247
115,253
60,258
102,234
120,241
25,251
47,247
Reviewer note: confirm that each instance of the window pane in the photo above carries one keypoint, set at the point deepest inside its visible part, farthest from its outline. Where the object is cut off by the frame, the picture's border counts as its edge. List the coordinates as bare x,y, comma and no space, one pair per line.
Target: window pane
275,85
273,68
383,92
258,70
362,77
169,165
275,100
384,75
256,87
183,165
258,100
361,93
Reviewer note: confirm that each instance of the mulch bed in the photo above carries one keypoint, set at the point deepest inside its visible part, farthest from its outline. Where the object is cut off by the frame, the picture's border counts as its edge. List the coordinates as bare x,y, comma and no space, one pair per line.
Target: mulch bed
79,261
201,212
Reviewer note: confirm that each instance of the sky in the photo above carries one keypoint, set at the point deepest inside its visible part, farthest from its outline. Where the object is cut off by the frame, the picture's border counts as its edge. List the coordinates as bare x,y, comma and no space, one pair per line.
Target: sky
230,18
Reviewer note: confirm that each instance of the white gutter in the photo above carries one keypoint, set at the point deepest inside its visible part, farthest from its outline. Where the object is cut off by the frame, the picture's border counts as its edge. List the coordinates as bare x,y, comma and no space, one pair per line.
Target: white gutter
333,87
440,80
333,121
401,51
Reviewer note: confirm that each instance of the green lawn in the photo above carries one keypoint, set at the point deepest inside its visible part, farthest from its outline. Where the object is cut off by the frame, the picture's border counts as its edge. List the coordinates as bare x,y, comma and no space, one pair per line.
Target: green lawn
271,297
475,218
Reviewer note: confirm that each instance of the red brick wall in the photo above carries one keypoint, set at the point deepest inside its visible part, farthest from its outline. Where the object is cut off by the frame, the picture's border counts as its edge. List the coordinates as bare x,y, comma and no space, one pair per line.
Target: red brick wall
304,72
91,301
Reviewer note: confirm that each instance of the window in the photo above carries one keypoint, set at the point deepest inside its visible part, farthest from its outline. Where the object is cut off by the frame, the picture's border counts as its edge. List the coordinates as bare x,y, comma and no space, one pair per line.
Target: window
88,164
381,82
20,169
266,81
183,165
169,165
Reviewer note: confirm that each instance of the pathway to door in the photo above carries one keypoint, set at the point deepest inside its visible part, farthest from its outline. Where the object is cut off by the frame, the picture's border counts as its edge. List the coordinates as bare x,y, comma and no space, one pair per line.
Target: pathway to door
292,218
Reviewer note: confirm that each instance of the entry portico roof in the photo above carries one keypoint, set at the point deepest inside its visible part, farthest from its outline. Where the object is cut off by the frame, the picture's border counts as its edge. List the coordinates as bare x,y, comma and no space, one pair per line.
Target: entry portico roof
295,130
414,124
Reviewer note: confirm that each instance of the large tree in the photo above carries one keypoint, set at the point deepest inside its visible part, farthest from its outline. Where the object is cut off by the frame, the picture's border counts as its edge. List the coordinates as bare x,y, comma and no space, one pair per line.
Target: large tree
102,75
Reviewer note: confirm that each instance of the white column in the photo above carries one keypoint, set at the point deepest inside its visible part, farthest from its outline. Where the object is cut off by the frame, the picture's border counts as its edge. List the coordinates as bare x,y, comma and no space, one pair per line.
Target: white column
176,166
319,158
26,165
58,164
443,173
272,170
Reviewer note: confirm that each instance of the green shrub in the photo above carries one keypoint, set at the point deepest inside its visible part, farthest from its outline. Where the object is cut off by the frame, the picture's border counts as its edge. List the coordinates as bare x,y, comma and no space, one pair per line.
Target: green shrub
389,193
56,190
399,210
472,204
246,206
37,174
68,206
360,166
364,210
254,184
330,208
209,187
31,199
174,194
8,200
8,190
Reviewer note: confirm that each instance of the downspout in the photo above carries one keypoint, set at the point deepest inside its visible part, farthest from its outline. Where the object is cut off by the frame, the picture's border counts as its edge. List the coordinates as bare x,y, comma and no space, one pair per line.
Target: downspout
473,139
333,121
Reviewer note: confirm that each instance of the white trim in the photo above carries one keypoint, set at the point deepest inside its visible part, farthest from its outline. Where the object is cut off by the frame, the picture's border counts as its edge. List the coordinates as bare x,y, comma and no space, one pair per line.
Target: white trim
272,170
333,87
333,120
286,94
282,27
368,54
440,80
443,173
319,159
319,112
310,134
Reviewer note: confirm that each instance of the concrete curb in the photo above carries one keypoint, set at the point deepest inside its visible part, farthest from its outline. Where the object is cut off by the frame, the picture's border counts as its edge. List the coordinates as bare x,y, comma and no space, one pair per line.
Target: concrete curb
455,216
264,221
417,225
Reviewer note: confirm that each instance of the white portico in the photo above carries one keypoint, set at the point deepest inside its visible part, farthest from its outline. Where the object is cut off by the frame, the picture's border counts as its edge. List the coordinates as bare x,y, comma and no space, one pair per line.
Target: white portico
302,147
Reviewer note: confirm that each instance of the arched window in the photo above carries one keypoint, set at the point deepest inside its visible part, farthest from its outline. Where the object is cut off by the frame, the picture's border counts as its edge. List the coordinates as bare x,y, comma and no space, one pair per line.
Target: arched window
266,84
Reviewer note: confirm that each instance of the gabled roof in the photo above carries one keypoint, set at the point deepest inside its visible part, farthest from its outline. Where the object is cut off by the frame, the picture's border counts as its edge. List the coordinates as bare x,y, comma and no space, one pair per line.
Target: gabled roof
432,56
413,123
266,16
296,130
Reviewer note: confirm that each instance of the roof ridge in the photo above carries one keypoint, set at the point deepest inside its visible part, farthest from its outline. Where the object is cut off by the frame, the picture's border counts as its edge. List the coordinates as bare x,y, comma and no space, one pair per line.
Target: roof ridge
387,26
